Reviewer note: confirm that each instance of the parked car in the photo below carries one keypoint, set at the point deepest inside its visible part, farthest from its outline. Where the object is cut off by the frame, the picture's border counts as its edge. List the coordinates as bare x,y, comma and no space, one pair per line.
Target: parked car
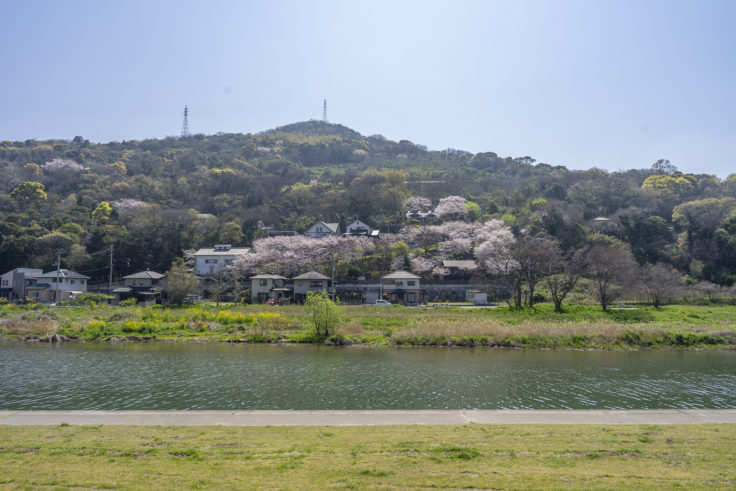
271,301
382,303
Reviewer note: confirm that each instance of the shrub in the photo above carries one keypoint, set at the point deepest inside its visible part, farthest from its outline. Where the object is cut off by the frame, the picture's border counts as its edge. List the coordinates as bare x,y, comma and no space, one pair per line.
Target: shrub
323,313
128,302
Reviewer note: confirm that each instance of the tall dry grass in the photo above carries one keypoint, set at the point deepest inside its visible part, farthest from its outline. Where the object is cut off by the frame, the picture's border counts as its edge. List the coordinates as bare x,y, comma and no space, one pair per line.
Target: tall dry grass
22,325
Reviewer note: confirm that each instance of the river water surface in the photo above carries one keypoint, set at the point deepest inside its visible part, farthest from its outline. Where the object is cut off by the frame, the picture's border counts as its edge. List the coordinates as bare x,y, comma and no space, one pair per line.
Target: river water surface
221,376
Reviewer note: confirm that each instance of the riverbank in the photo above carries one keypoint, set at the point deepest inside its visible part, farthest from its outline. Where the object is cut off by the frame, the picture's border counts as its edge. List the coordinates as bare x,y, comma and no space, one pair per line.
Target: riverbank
580,327
372,417
469,456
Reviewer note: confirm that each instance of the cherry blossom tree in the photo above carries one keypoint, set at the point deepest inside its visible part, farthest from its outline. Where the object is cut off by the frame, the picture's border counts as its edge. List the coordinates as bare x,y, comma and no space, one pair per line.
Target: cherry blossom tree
289,255
418,203
451,205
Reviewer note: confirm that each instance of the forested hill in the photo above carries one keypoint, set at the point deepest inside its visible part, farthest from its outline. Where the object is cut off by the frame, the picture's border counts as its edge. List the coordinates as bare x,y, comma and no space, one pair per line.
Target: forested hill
155,198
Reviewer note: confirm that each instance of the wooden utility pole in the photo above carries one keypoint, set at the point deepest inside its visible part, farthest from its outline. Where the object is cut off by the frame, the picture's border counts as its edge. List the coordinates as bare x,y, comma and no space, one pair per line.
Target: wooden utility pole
109,282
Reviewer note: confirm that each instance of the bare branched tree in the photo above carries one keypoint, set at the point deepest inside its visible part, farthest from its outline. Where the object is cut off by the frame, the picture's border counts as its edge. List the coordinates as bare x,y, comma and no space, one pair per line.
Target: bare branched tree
660,283
563,274
610,270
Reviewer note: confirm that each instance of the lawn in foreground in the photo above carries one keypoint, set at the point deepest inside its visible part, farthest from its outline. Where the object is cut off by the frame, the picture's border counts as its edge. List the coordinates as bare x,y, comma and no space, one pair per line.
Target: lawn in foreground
470,456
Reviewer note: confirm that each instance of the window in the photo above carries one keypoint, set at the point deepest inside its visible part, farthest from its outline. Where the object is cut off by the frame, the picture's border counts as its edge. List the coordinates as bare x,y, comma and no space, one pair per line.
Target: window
228,261
5,282
411,283
315,284
210,261
399,283
71,282
263,282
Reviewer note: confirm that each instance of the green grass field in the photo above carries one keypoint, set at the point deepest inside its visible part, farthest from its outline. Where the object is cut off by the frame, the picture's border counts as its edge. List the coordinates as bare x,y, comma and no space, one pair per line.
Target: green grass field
580,327
382,457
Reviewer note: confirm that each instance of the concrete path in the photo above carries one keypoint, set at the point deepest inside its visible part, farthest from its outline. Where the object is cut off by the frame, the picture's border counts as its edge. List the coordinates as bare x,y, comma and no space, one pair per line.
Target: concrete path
361,418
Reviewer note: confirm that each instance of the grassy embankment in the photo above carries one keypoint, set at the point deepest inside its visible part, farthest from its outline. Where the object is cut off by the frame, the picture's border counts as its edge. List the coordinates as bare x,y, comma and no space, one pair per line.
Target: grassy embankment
584,326
472,456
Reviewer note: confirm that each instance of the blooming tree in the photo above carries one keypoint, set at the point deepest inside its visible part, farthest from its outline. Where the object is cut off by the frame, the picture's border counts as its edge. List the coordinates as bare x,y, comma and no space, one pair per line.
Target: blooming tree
289,255
451,205
62,164
418,203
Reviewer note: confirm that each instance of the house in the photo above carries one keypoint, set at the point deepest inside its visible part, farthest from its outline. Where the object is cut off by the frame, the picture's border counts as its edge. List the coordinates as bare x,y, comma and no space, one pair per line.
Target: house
265,286
321,229
145,286
13,284
402,287
210,261
360,228
309,282
57,286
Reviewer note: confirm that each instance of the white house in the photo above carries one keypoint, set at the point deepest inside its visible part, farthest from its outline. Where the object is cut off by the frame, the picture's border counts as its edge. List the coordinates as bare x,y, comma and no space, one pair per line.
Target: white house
210,261
401,287
13,284
57,286
321,229
360,228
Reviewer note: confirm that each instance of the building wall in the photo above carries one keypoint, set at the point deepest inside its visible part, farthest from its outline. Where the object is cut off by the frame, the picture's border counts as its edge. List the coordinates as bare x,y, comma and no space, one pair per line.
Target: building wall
301,287
207,265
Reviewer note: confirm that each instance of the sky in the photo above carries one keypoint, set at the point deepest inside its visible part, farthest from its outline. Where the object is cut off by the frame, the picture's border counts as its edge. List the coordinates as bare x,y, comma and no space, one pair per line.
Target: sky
612,84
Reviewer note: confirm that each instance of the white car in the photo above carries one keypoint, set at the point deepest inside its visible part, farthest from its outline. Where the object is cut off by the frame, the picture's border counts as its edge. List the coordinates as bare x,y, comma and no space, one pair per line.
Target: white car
382,303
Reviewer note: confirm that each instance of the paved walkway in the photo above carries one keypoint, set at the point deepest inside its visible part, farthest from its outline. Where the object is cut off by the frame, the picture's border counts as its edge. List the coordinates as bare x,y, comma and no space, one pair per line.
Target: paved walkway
374,418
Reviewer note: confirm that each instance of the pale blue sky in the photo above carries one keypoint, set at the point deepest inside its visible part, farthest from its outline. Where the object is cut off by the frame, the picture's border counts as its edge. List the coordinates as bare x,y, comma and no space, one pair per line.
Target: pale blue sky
613,84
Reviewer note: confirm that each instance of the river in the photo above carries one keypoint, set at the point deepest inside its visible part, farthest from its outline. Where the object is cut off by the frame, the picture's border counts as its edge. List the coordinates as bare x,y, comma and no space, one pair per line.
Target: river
221,376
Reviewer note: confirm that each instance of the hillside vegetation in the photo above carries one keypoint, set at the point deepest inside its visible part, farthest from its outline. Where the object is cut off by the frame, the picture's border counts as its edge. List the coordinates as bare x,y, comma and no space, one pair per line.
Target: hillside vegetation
153,199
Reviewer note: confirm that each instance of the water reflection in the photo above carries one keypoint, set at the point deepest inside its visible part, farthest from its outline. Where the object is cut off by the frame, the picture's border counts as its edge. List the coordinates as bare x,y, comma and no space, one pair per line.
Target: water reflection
214,376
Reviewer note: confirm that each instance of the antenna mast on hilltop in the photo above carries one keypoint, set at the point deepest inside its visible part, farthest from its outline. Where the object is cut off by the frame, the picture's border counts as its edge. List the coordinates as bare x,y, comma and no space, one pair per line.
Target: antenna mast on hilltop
185,125
324,111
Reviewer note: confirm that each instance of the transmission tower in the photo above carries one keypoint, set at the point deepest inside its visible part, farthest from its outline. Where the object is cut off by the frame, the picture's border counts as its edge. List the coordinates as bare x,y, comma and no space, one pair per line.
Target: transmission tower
185,126
324,111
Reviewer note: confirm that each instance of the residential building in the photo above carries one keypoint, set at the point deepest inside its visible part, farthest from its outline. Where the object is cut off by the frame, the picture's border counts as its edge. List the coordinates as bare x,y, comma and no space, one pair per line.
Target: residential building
13,284
360,228
321,229
309,282
402,287
265,286
210,261
145,286
57,286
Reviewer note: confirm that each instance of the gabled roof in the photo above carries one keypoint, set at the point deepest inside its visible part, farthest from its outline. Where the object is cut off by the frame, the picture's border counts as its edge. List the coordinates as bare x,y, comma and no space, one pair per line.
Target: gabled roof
232,251
332,227
28,272
312,275
144,275
267,277
63,273
401,275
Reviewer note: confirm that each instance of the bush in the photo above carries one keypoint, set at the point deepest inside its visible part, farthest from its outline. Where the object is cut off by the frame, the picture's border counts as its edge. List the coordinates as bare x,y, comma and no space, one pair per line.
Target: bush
323,313
90,299
128,302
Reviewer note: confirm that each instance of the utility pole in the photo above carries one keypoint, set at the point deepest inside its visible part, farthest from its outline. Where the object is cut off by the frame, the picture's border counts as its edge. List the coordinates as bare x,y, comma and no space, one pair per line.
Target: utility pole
58,266
324,111
333,278
109,284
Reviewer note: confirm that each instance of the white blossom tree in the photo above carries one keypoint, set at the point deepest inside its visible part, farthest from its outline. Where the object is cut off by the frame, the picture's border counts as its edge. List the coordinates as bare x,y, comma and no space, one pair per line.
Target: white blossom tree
451,205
